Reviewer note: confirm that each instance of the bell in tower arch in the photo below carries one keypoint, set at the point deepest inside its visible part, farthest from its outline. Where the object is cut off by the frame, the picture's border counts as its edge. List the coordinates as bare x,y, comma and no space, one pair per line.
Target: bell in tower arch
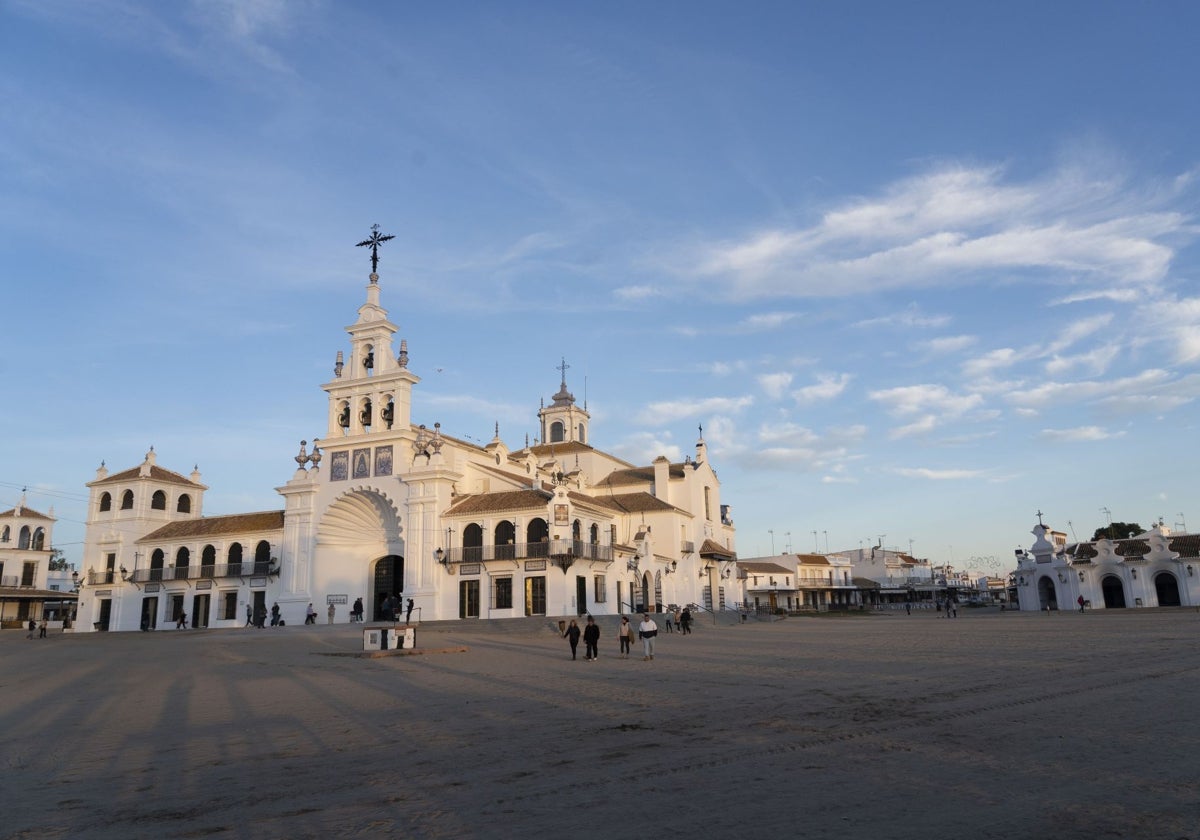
369,361
364,416
388,414
344,417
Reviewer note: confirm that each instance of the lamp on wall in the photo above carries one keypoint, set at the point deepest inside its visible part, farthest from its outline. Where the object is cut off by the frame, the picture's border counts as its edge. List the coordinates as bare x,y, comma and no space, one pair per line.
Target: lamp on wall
632,565
671,567
1133,573
1062,578
1189,571
442,557
1081,577
124,573
75,577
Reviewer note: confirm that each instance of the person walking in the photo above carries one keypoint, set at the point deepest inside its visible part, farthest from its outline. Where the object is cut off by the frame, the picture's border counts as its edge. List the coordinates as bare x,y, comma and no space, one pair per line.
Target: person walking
275,614
668,626
647,631
356,614
623,634
32,627
310,615
408,614
249,616
685,622
591,640
181,621
571,634
332,612
908,607
42,629
1081,602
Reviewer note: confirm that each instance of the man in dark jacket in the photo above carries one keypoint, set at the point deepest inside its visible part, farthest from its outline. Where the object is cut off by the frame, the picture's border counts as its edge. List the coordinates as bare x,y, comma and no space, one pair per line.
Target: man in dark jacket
591,639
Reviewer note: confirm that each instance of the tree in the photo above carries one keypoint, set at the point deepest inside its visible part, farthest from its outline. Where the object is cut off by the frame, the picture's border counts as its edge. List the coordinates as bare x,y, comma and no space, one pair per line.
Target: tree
1118,531
58,561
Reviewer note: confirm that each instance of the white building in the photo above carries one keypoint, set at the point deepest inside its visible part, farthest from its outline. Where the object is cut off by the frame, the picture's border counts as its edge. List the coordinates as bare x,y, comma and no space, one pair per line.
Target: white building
26,539
383,506
1153,569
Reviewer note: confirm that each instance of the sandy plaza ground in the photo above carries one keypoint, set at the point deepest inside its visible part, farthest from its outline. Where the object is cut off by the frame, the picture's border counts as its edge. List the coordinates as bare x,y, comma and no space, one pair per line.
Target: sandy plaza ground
992,725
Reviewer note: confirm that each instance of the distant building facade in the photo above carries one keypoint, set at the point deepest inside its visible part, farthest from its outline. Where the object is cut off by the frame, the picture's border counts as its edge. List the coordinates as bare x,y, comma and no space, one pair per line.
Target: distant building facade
384,508
1154,569
26,546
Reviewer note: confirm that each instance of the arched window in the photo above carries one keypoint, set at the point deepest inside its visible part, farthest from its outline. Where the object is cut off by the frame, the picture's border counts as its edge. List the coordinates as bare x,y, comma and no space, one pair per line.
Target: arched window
184,505
582,433
262,557
39,539
577,531
23,537
537,535
105,502
208,561
557,432
594,534
156,564
235,559
506,535
182,557
472,545
158,501
127,500
6,535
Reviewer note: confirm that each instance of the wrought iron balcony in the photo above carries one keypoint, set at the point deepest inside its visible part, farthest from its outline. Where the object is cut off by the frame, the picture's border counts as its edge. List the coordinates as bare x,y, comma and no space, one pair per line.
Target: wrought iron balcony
216,570
575,549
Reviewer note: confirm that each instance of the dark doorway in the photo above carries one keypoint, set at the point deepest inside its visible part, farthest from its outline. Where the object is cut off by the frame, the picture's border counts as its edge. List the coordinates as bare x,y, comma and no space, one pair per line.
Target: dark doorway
389,580
1114,592
581,594
260,607
200,610
105,613
1167,589
468,599
149,613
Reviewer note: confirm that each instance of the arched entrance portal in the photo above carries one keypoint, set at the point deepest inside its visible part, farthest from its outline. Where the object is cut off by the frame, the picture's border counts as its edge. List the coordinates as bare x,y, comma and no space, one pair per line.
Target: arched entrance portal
361,534
1047,598
387,580
1167,589
1114,592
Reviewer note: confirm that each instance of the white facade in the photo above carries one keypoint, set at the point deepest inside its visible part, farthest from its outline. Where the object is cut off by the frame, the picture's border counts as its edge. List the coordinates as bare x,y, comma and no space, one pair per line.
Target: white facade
26,539
1153,569
384,506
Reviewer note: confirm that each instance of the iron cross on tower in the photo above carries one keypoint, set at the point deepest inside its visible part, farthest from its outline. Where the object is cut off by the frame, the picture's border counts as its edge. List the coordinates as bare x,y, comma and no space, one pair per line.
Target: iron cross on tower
373,243
563,369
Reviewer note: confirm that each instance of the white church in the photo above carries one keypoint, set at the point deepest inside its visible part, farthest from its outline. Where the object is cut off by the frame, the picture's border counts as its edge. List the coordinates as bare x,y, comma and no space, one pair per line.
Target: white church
385,507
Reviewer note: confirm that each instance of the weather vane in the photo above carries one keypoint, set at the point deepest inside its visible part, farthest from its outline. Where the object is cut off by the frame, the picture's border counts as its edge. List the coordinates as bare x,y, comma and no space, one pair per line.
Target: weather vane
373,243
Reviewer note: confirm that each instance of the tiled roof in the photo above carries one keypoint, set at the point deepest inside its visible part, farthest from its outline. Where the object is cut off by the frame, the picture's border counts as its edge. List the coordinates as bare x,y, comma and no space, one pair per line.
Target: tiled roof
631,502
218,526
813,559
504,500
1187,545
765,568
157,473
26,593
560,447
26,513
712,547
866,583
638,475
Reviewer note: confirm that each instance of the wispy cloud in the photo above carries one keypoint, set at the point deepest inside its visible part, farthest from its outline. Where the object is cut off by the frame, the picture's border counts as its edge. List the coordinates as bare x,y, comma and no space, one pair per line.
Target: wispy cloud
946,345
775,384
938,475
670,411
1078,434
826,387
955,224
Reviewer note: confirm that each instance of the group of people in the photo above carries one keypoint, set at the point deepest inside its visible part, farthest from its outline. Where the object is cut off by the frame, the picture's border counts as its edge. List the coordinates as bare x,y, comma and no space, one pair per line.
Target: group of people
392,607
39,628
647,631
677,618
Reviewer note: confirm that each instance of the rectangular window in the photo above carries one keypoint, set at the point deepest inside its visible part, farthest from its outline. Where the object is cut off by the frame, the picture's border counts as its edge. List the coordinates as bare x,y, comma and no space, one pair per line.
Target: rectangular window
28,573
535,596
600,595
502,593
229,605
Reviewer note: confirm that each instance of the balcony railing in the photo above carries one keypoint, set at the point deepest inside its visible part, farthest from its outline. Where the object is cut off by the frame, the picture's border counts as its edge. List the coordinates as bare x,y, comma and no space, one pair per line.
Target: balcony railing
216,570
523,551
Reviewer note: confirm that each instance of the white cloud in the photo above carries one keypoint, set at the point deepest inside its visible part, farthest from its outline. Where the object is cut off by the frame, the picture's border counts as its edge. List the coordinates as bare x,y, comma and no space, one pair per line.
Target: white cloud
939,475
911,399
947,226
826,388
1046,394
669,411
1078,434
946,345
1093,363
775,384
910,317
637,292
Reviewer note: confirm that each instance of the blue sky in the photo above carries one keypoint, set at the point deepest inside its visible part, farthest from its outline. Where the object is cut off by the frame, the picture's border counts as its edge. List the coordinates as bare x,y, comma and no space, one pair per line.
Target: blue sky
918,269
